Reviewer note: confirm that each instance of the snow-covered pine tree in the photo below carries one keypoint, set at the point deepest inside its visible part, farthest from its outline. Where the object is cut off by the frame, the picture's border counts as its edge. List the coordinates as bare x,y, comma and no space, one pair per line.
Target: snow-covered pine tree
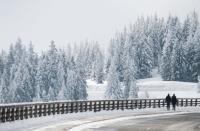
114,90
52,69
178,56
62,76
117,47
191,74
196,64
143,49
171,40
98,64
70,82
80,92
157,34
31,65
1,64
198,84
42,85
22,82
6,77
130,89
178,62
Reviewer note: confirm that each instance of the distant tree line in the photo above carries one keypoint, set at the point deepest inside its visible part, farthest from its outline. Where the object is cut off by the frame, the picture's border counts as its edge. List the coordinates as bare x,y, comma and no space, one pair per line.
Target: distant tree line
170,45
57,74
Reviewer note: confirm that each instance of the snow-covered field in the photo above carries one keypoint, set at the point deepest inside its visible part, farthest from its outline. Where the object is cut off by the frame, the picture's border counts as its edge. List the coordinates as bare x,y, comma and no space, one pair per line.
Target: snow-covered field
150,88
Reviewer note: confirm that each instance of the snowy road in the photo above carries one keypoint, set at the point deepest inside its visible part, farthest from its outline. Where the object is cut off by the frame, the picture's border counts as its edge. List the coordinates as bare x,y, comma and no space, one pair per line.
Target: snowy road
176,122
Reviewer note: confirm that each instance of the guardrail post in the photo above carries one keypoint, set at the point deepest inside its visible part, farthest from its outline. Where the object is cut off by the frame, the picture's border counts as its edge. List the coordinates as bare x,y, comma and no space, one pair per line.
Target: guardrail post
126,104
95,106
136,104
13,114
191,102
113,105
132,104
77,107
196,102
86,106
3,118
181,102
40,110
21,112
100,105
45,110
35,110
72,107
186,102
163,102
149,103
54,109
8,114
67,107
104,105
81,106
154,103
26,112
58,108
48,109
90,105
31,111
62,108
140,104
107,105
117,104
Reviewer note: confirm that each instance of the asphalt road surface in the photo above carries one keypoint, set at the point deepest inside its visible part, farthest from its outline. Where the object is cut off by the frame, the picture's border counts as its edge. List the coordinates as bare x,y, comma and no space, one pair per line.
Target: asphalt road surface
179,122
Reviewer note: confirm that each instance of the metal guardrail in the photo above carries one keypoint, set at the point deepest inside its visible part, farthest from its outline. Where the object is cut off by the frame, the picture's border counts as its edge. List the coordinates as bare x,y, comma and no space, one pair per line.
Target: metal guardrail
12,112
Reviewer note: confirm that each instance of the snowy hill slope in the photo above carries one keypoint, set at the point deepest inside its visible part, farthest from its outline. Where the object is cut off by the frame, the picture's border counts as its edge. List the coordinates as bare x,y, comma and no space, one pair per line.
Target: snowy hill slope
149,88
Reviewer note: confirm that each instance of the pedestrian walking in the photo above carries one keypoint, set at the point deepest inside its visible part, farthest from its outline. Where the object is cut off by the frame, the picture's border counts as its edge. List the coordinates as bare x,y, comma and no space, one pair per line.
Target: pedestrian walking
174,102
168,101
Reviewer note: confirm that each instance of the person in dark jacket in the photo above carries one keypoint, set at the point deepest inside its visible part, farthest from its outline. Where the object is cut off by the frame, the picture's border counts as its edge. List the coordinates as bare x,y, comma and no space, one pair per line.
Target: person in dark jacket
174,102
168,101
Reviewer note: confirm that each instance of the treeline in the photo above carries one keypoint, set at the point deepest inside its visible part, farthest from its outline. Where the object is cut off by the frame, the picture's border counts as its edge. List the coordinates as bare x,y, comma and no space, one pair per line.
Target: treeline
56,74
169,45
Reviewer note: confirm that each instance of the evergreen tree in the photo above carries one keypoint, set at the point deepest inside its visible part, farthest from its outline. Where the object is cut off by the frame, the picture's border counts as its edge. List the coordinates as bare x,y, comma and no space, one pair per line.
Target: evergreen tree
130,90
5,79
61,75
80,92
113,90
171,41
42,79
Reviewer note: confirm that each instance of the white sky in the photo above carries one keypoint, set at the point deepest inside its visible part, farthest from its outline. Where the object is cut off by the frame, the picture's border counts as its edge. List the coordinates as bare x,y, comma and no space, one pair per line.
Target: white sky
69,21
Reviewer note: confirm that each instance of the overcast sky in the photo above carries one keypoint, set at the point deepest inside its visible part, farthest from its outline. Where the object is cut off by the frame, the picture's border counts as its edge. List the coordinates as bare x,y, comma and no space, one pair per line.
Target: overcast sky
69,21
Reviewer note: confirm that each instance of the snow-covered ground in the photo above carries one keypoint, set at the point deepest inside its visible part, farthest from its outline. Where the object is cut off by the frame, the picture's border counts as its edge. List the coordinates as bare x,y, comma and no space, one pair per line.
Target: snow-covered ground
150,88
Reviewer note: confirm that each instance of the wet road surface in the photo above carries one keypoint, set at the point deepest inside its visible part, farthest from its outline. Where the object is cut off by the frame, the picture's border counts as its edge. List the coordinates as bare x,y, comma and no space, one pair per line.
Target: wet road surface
179,122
